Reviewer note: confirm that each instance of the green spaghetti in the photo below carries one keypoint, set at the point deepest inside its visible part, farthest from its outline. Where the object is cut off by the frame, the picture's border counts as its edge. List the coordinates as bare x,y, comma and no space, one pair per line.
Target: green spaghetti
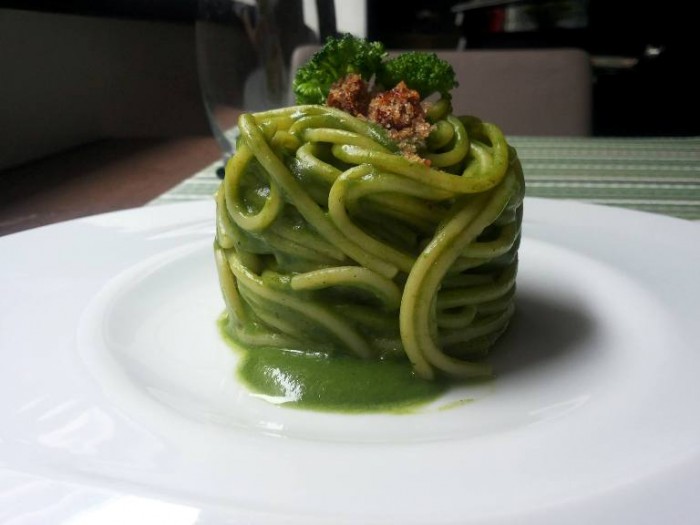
331,241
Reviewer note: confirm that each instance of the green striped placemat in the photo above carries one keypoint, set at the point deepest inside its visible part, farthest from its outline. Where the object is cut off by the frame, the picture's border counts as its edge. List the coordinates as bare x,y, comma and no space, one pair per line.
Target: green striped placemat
660,175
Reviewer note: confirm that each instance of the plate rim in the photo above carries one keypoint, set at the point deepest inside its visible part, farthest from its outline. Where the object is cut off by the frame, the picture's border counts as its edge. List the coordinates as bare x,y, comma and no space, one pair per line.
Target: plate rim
203,206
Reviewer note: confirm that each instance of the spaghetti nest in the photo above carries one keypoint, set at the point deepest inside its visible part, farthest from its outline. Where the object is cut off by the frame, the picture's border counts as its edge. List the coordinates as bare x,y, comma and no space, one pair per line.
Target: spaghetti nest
330,241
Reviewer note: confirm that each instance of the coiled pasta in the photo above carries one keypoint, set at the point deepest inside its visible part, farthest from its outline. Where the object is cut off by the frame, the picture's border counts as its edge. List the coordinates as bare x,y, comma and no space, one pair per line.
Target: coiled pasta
330,241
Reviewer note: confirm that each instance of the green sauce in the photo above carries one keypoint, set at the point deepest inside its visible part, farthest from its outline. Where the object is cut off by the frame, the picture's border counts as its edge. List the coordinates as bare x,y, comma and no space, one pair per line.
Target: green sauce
343,384
335,384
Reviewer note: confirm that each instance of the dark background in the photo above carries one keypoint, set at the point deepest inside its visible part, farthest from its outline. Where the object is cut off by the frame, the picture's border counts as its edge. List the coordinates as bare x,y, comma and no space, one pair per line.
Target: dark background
655,96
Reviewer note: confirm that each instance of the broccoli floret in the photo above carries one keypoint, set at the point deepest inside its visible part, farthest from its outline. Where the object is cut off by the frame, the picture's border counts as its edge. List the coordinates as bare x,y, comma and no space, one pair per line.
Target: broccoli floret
338,57
424,72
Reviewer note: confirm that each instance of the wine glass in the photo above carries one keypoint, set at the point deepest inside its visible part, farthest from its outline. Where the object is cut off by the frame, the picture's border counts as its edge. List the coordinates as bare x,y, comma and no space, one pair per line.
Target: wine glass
243,56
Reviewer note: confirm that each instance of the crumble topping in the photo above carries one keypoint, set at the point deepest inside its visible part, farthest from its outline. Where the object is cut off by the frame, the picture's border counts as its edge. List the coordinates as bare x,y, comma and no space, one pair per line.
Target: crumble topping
350,94
397,110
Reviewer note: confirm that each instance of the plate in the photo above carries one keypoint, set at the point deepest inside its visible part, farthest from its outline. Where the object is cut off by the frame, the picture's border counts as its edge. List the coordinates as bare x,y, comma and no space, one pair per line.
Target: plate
119,399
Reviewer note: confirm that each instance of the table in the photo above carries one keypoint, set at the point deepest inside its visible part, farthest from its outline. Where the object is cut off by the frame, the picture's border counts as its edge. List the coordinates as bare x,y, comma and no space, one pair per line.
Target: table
659,175
99,177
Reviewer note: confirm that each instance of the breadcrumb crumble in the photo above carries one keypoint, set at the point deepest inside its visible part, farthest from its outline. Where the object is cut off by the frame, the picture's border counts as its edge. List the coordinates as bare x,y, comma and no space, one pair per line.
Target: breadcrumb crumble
398,110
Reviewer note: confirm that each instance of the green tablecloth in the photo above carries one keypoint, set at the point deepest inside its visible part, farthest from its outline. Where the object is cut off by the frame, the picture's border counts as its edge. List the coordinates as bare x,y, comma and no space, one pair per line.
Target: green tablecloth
660,175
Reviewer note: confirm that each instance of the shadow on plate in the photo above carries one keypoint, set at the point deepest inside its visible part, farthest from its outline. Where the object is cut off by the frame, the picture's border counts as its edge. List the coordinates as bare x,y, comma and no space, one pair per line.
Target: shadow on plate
542,330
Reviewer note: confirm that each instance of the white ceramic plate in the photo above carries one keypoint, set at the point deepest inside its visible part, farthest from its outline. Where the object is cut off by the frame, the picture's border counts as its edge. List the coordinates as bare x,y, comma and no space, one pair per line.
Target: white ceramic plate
118,400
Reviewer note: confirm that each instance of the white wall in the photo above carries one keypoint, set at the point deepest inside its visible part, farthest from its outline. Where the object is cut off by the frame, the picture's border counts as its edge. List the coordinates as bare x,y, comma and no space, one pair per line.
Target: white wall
68,80
351,16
